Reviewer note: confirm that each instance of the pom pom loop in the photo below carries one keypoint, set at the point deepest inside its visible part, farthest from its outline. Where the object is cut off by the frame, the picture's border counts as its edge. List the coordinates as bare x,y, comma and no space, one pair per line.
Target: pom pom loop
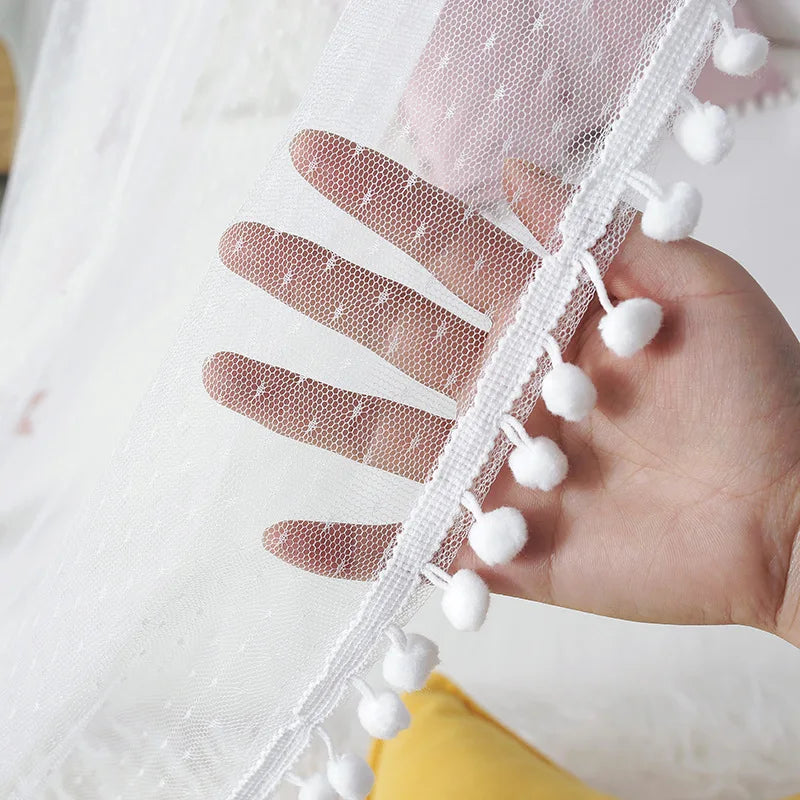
630,325
671,214
703,130
382,714
737,51
409,660
567,390
740,52
315,787
349,775
536,463
465,599
495,536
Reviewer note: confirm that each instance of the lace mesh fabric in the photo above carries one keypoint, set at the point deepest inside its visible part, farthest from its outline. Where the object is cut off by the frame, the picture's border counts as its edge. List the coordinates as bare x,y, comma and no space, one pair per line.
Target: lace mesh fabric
334,388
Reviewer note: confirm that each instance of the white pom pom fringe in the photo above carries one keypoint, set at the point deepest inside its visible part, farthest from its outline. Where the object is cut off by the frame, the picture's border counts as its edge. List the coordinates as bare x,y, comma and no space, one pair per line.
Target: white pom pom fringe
674,214
496,536
382,714
317,787
350,776
630,325
409,660
740,52
704,131
465,598
567,390
536,463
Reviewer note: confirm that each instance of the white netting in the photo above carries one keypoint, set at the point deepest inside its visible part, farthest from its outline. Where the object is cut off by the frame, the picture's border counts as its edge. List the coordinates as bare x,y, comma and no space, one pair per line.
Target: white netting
337,382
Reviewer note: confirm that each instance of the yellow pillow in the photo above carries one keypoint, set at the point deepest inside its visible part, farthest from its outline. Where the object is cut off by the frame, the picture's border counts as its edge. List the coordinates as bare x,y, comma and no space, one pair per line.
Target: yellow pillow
455,751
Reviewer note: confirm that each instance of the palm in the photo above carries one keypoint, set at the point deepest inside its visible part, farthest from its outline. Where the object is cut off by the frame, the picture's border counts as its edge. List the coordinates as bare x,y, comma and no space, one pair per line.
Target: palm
676,507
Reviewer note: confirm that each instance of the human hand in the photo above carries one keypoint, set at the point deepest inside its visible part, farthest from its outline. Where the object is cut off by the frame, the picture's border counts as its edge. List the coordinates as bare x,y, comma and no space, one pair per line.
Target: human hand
682,503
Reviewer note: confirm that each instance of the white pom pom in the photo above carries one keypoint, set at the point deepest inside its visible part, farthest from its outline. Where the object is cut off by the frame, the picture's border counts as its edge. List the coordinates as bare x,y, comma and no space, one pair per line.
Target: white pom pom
740,52
705,133
497,536
408,667
673,216
538,464
630,325
317,787
350,776
568,392
466,601
383,715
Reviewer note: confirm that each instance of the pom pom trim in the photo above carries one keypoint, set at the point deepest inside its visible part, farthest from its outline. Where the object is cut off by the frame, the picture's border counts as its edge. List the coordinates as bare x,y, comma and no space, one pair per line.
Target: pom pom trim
624,145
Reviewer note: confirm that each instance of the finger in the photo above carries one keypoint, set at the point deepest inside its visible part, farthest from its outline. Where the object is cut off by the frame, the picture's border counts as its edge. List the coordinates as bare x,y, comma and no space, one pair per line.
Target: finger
334,549
642,266
670,271
536,197
372,430
472,257
418,336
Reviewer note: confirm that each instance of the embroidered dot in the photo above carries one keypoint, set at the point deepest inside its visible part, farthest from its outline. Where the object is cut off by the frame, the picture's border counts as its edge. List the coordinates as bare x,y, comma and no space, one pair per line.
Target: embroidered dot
404,131
369,455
